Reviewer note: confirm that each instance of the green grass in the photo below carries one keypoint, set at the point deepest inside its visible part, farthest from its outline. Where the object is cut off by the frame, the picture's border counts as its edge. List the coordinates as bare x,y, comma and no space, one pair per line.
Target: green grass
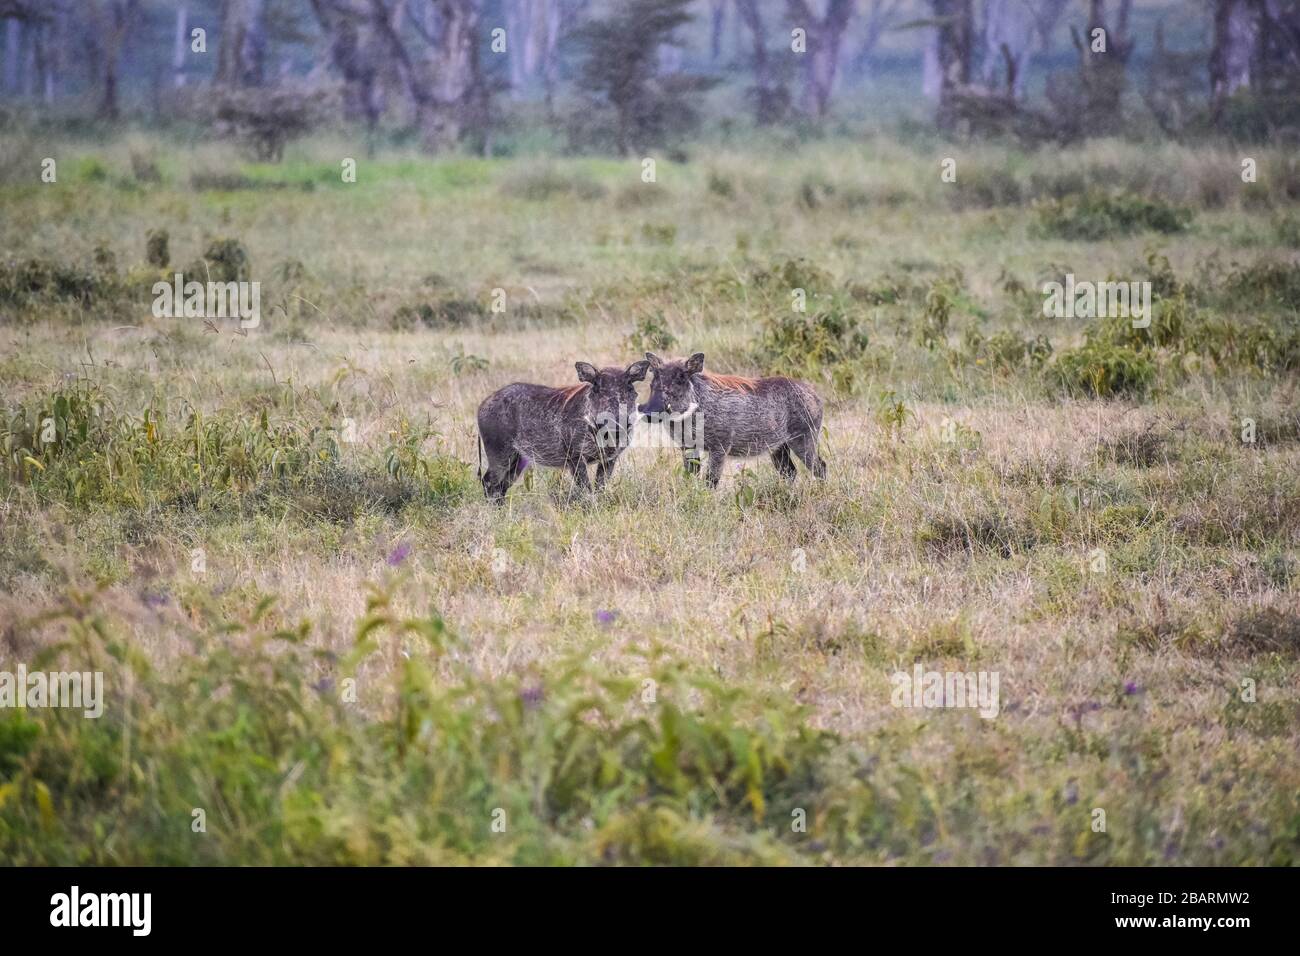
1068,503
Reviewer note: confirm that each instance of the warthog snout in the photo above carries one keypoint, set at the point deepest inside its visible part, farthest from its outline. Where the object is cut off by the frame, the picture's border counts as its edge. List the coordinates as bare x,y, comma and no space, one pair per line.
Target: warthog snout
654,406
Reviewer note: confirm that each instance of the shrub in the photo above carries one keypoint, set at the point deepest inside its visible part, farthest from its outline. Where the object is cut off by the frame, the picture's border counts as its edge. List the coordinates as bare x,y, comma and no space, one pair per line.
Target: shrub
1004,350
267,118
781,279
75,445
661,235
803,343
145,168
1099,215
650,335
949,534
542,183
220,181
157,251
449,311
91,169
982,187
581,768
1104,370
933,330
813,191
1266,283
42,279
887,290
1287,231
223,260
721,185
1266,631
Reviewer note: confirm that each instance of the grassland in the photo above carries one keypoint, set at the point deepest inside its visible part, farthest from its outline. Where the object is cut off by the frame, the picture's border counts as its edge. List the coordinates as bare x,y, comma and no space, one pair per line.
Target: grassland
314,629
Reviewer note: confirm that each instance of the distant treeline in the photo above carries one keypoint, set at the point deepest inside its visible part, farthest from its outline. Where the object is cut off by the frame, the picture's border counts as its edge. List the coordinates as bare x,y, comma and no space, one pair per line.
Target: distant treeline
624,75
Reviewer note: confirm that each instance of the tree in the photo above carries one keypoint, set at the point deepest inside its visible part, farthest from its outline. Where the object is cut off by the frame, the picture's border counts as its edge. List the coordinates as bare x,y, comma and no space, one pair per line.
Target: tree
953,44
717,26
1256,51
821,61
1173,83
241,53
109,24
1008,33
770,96
429,49
620,70
1103,67
533,28
1046,15
878,16
34,33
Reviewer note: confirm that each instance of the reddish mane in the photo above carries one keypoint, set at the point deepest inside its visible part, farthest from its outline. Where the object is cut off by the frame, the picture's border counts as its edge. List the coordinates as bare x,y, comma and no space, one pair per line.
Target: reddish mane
569,392
734,383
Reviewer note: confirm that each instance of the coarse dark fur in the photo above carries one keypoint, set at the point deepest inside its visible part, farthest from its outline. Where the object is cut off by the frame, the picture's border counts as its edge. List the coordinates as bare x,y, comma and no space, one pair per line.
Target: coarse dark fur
738,417
568,428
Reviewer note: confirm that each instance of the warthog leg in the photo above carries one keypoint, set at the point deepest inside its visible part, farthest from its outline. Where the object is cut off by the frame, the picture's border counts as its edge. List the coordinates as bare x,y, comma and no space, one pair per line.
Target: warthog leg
713,474
805,446
604,469
784,463
581,481
691,459
498,478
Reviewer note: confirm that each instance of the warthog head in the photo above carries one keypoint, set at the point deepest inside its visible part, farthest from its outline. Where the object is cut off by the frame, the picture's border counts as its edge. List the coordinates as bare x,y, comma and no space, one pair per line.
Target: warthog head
672,392
612,395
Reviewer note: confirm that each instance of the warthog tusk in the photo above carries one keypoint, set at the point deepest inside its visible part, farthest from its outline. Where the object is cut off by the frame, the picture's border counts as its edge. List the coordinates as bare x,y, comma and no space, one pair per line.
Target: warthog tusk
689,411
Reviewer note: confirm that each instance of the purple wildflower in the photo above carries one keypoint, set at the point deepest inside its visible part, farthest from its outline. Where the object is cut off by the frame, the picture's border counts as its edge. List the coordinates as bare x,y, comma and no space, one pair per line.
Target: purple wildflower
399,554
532,696
606,617
1131,688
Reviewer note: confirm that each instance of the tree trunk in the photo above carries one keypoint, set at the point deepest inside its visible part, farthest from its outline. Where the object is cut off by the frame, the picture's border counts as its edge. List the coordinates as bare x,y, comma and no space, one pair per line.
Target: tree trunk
880,16
1047,14
454,98
1104,75
1236,45
554,19
353,52
456,101
1008,33
112,21
241,56
954,41
43,44
181,45
821,61
13,55
717,24
29,60
769,105
931,81
519,23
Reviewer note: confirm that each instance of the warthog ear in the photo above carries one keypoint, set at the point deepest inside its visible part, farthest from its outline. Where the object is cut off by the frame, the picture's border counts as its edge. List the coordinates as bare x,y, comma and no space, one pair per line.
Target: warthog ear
695,364
636,371
655,361
587,372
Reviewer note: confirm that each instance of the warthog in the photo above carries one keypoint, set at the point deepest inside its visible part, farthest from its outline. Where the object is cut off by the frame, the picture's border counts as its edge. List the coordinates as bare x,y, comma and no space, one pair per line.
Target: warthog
567,427
733,416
